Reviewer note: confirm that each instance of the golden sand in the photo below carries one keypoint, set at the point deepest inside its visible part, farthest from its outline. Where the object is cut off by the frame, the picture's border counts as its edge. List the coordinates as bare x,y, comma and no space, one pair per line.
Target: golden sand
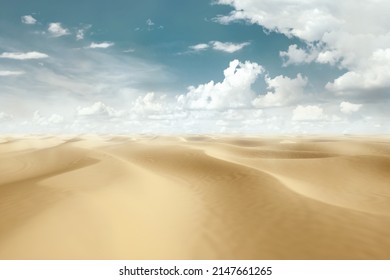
195,197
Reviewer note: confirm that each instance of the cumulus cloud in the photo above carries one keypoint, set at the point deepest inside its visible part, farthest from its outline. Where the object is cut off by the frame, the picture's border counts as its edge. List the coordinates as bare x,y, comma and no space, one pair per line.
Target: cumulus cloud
5,73
349,108
375,75
308,113
56,30
103,45
23,56
307,20
234,91
28,19
295,55
227,47
331,57
350,35
148,104
284,91
99,109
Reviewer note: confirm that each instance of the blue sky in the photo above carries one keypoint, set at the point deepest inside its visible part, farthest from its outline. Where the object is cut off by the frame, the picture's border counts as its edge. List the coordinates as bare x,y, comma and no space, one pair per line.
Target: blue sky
225,66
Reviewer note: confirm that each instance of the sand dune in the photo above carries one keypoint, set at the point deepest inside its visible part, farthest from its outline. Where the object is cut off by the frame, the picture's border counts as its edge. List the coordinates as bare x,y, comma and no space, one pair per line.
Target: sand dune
194,197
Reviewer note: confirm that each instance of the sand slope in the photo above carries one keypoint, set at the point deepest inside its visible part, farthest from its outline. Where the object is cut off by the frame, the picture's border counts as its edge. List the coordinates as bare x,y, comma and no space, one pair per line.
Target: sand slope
196,197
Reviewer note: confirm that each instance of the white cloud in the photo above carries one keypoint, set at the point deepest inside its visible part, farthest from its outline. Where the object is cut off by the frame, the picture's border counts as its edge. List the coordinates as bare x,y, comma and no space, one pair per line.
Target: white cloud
295,55
328,57
307,20
233,115
232,17
227,46
5,116
349,108
28,19
81,32
23,56
53,119
6,73
37,117
56,29
149,22
349,34
148,104
234,91
221,123
284,91
308,113
375,75
99,109
103,45
199,47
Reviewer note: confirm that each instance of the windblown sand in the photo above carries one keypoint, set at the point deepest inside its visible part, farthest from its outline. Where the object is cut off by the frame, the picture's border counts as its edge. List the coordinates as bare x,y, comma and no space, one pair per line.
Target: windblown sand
193,197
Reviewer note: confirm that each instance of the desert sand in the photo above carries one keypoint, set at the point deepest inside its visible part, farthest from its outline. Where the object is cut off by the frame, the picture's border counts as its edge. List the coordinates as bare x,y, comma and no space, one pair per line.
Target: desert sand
194,197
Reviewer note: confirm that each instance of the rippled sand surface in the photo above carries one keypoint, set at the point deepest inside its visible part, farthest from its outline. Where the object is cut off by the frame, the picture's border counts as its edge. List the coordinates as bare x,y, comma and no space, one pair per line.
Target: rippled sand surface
194,197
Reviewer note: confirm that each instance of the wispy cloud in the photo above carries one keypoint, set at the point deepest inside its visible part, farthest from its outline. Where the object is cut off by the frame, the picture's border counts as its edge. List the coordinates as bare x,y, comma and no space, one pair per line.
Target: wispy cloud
199,47
56,29
76,78
150,25
103,45
5,73
227,47
28,19
81,32
234,16
149,22
130,50
23,56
